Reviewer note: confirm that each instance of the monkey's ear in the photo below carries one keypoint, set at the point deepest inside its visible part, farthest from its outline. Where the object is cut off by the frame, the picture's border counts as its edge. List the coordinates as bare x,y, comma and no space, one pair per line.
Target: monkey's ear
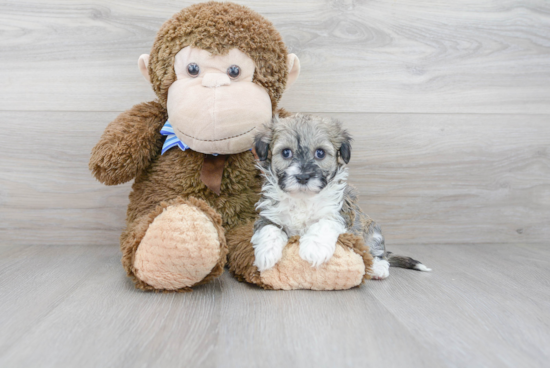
143,62
261,147
293,64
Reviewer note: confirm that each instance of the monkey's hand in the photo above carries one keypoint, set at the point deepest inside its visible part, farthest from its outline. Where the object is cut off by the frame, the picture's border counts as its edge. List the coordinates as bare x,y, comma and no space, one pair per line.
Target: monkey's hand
268,243
129,144
318,244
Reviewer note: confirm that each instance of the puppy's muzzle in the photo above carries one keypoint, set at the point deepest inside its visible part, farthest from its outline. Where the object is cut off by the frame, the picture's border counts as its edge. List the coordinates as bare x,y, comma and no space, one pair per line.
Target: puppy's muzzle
302,178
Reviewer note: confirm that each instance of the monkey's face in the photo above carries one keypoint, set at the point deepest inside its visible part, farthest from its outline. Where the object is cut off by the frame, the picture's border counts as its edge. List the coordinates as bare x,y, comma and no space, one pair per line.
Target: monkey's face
213,106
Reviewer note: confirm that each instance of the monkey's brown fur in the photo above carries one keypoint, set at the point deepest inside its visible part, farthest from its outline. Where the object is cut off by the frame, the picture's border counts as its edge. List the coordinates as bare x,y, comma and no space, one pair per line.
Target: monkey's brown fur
130,146
217,28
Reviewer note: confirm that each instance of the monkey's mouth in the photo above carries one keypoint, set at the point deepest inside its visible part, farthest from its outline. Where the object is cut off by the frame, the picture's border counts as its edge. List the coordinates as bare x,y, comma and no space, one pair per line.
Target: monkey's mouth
216,140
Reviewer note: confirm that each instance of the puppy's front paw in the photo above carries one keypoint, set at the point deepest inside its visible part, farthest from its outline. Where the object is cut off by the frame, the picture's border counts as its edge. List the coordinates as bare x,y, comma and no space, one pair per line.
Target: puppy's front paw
268,243
267,258
316,250
380,269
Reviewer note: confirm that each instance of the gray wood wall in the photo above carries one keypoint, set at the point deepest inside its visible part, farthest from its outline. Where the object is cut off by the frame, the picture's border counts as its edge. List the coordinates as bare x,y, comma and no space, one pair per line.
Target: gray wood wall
448,101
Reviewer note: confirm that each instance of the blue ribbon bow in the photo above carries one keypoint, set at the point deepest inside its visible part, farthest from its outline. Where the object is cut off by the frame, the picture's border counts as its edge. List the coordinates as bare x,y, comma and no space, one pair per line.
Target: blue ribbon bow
171,139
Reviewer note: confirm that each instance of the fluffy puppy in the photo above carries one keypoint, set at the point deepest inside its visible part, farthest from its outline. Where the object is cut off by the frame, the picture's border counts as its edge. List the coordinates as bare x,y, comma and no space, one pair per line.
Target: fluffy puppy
306,193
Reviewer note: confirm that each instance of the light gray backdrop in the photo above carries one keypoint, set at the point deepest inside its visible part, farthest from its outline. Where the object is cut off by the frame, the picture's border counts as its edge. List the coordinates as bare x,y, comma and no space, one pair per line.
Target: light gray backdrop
449,104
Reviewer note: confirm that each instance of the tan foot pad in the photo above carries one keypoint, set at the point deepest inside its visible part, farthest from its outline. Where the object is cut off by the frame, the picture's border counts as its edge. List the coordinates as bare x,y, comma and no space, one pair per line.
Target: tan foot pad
343,271
179,249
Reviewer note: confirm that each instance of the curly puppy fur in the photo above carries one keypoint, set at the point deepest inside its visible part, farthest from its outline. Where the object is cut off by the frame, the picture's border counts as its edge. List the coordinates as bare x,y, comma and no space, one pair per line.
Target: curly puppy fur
307,195
303,194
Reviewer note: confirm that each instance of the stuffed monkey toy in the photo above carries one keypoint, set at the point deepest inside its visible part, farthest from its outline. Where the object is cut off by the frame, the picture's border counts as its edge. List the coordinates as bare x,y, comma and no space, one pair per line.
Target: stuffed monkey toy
219,71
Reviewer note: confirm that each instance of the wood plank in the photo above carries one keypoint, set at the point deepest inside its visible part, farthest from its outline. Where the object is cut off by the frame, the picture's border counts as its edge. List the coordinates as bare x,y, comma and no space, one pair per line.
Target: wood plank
483,305
427,178
101,320
433,179
34,280
357,56
312,329
48,195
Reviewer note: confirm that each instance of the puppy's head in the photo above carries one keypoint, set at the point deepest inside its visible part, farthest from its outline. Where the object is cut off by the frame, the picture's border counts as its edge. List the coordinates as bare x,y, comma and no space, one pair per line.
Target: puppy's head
304,152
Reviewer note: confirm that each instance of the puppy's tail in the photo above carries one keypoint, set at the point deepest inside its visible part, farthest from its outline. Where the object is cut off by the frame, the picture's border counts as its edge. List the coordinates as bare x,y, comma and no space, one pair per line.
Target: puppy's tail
406,262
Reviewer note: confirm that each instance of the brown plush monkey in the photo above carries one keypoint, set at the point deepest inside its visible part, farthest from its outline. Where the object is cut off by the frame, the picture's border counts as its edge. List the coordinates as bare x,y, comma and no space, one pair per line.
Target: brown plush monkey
219,71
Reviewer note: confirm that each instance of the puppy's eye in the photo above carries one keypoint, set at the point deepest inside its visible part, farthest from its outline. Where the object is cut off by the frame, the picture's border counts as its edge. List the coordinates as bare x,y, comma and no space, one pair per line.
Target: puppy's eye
286,153
193,69
320,154
233,71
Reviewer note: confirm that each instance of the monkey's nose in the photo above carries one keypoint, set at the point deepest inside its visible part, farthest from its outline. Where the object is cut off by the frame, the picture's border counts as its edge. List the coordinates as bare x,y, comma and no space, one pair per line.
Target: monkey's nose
212,80
302,178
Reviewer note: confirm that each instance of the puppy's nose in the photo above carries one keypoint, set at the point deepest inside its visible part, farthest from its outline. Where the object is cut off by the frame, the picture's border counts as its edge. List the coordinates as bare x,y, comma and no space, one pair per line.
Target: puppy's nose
302,178
212,80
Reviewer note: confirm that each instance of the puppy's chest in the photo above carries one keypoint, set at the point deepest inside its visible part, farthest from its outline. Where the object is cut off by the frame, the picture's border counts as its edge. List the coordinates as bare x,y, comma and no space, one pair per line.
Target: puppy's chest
297,215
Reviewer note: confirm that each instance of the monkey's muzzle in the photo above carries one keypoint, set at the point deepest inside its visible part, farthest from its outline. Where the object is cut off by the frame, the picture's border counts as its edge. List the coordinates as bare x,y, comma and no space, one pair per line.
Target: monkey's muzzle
214,115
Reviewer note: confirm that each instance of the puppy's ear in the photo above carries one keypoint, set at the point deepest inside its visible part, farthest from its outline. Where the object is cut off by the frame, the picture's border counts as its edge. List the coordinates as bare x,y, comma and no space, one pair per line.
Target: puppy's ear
263,139
345,152
261,147
345,147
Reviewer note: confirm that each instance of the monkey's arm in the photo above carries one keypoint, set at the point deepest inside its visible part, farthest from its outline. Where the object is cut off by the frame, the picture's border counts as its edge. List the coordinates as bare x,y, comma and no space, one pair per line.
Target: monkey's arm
129,144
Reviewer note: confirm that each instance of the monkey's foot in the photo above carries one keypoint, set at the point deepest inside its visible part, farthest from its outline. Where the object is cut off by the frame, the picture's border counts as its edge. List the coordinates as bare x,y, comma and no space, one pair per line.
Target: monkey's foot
182,247
344,270
348,267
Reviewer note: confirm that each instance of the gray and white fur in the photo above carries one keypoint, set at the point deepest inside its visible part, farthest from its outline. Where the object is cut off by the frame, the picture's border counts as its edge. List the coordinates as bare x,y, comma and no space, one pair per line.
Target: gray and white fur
303,159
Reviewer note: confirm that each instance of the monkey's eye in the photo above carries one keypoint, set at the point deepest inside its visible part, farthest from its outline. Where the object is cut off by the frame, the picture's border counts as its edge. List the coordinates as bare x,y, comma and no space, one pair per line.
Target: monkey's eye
320,154
193,69
233,71
286,153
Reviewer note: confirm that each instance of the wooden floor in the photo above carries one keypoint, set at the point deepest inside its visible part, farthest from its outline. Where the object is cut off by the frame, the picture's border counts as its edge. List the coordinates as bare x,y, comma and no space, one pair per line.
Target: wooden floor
482,306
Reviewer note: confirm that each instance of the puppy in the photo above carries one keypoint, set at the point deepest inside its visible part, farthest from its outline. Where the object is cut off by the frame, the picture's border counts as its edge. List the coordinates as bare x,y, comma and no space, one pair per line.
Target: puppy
306,193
